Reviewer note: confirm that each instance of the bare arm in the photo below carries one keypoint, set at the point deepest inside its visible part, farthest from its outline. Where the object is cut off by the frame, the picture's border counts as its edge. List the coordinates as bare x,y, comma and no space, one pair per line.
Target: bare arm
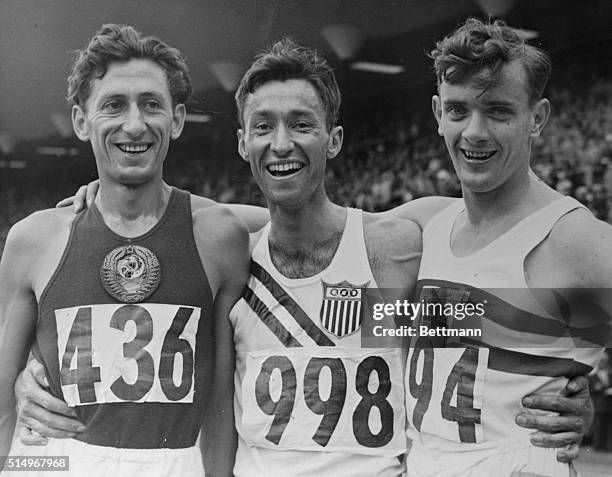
17,322
255,217
419,210
576,256
228,260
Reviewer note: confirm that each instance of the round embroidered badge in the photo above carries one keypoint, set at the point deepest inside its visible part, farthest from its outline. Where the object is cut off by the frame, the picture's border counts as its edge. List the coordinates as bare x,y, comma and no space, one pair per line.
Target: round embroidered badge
130,273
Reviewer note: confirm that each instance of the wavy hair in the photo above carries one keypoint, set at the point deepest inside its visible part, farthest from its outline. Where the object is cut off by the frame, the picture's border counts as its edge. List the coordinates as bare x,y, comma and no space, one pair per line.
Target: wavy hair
476,46
285,60
122,43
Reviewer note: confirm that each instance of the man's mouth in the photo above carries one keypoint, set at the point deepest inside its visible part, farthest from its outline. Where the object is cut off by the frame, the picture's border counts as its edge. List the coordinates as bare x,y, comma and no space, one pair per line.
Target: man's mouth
477,155
134,148
285,169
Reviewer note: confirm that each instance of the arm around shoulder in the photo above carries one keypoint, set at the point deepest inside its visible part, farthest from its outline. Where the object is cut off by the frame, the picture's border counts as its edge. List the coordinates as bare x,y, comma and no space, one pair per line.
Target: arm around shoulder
18,311
228,261
419,210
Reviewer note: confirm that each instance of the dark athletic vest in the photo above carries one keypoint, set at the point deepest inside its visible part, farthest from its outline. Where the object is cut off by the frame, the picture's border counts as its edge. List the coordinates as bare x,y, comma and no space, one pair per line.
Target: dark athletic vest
137,374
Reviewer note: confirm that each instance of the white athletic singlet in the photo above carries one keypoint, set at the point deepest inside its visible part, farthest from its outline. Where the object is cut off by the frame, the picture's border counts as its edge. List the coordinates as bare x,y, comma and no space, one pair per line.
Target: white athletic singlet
461,399
309,401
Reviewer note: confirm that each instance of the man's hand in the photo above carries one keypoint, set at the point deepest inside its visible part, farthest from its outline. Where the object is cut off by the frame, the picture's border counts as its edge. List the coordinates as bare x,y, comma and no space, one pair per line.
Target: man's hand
41,415
566,430
83,198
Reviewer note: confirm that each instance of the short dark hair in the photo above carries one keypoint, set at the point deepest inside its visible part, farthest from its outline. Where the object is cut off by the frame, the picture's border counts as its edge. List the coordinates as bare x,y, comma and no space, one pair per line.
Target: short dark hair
478,45
122,43
285,60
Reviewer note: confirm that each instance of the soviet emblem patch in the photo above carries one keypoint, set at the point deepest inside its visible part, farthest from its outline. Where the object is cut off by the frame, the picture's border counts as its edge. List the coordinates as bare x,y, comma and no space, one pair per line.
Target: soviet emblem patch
130,273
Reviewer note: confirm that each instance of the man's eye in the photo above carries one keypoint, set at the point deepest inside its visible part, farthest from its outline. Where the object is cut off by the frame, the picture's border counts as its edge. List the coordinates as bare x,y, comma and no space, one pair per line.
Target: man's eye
303,126
152,104
500,112
112,106
456,111
261,127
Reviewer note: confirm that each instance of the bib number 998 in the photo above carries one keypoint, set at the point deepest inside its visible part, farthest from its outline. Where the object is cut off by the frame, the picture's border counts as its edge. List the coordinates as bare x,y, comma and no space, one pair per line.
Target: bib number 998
330,408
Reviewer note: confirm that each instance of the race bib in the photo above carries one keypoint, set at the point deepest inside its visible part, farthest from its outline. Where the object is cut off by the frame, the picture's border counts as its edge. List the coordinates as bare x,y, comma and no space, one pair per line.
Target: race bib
445,388
325,399
126,353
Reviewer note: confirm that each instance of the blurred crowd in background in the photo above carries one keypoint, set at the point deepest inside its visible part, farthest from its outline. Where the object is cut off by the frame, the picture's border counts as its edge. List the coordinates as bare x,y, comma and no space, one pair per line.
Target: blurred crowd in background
391,157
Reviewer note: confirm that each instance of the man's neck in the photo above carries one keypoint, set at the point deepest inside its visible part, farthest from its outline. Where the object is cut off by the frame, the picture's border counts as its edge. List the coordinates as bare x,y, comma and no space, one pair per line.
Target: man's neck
516,196
307,225
303,241
132,210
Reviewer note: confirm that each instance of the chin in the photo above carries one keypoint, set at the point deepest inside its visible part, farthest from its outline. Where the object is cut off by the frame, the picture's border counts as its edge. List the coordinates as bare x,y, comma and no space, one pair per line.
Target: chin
478,185
287,200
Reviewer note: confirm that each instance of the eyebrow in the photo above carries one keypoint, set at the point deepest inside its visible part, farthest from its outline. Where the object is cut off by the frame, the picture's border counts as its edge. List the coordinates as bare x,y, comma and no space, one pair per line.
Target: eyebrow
499,103
144,94
293,112
458,102
454,102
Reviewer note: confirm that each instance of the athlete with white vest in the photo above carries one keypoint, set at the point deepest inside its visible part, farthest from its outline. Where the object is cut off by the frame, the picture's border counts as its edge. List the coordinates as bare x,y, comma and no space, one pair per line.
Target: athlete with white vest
309,399
509,235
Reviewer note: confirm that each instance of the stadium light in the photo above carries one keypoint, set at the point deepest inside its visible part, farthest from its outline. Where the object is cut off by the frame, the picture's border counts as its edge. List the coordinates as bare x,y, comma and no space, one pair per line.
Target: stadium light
345,40
383,68
62,124
198,118
57,151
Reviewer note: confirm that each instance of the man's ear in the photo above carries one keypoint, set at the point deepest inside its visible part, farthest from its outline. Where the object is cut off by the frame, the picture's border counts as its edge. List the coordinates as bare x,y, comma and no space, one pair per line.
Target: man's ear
539,117
178,121
242,146
334,145
79,123
436,107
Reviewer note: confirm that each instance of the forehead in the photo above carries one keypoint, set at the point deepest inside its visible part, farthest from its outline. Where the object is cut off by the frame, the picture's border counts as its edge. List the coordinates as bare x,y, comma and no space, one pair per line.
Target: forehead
511,87
136,76
292,96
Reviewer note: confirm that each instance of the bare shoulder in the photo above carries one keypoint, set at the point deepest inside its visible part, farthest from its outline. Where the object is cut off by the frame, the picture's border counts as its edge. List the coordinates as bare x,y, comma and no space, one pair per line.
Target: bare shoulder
222,239
420,210
35,244
394,250
199,203
391,234
40,228
253,216
583,244
216,224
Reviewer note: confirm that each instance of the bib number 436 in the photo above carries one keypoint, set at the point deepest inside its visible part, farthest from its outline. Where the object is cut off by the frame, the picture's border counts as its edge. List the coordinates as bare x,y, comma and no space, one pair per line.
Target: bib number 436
129,356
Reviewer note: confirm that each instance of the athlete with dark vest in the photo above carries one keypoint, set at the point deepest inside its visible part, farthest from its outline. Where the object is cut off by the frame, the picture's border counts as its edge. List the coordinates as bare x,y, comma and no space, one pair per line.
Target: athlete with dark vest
127,303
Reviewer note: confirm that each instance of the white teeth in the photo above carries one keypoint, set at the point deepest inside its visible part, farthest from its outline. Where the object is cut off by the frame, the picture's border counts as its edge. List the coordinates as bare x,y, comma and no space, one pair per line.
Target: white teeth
289,166
477,154
133,148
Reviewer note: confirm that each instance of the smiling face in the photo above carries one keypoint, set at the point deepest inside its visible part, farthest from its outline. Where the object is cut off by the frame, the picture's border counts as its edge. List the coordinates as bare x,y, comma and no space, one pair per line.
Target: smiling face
286,142
488,133
129,119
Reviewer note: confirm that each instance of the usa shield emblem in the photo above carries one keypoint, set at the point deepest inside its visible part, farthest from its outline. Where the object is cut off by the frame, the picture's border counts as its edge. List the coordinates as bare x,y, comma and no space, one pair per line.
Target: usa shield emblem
341,310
